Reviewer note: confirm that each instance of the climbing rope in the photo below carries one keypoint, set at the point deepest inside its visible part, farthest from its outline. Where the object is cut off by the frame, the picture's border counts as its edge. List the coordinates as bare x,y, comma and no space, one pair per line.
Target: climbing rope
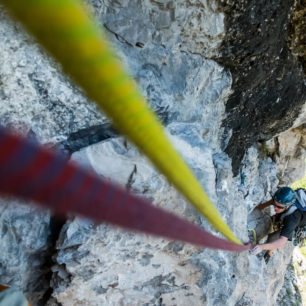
65,30
34,173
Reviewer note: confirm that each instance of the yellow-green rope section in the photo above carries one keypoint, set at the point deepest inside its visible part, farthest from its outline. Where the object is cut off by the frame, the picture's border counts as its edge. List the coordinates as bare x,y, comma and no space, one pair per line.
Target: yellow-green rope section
65,29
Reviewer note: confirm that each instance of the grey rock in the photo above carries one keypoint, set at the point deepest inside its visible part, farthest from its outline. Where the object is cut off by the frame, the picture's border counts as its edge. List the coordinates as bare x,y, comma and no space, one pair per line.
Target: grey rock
291,155
190,63
214,277
287,150
290,293
34,94
25,241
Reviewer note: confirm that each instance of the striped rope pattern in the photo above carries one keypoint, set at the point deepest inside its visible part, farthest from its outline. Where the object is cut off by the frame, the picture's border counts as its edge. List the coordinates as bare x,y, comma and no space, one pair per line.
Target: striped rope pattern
64,28
33,173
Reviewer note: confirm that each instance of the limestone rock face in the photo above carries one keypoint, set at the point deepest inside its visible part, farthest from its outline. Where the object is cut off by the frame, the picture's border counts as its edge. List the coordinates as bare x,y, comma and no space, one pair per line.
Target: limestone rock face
292,155
25,241
288,151
266,98
293,292
191,27
161,47
35,97
115,267
219,75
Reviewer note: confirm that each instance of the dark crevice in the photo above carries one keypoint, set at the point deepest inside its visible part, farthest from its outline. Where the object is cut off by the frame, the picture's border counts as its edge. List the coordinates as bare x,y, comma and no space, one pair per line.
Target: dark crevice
131,178
56,225
86,137
118,37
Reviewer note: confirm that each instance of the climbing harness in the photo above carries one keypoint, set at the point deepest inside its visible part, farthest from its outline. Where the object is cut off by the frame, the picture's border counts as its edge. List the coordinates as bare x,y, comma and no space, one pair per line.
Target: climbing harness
276,223
31,172
65,30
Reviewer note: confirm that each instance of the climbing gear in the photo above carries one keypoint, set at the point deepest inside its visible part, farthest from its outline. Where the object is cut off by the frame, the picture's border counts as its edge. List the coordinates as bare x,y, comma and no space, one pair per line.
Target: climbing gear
276,223
301,199
65,30
285,196
33,173
299,238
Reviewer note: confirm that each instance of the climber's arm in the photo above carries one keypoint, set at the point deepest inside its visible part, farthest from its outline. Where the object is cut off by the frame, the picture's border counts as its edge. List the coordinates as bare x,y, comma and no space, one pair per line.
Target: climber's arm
271,246
264,205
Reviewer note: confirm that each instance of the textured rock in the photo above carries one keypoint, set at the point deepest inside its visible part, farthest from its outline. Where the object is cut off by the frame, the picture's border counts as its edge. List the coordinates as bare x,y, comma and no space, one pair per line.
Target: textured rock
297,29
165,59
25,240
171,48
288,152
35,97
156,271
191,27
290,294
291,155
269,89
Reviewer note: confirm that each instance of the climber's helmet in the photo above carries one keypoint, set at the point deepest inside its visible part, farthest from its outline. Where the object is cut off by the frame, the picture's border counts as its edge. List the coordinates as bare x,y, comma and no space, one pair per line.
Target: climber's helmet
284,196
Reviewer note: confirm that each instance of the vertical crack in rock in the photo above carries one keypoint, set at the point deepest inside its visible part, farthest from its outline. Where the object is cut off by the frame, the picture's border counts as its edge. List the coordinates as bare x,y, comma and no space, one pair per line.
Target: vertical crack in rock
56,225
28,238
268,81
131,179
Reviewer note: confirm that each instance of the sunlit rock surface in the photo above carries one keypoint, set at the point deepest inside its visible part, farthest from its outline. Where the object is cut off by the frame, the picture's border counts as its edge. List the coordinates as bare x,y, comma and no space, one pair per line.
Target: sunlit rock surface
288,150
293,291
35,97
221,78
120,268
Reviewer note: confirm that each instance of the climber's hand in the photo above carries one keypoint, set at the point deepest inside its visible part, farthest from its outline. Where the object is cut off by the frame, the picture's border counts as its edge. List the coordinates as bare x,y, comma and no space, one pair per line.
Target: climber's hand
257,249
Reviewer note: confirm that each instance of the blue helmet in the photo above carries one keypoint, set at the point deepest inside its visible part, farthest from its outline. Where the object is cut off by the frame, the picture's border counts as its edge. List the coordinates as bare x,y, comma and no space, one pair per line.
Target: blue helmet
285,196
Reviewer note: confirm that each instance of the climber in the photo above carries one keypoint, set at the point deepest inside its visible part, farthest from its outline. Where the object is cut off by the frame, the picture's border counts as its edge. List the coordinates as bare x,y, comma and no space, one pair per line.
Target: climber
290,209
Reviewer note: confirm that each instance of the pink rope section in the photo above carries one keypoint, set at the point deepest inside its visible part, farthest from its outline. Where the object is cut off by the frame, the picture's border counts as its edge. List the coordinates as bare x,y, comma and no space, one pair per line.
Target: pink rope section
31,172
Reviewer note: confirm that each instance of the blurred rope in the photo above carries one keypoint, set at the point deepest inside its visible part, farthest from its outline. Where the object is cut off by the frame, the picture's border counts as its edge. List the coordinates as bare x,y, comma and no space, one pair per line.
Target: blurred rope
64,28
34,173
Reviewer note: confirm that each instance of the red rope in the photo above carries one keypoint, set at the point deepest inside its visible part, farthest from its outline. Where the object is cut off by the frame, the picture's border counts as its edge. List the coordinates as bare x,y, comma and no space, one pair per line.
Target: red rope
31,172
